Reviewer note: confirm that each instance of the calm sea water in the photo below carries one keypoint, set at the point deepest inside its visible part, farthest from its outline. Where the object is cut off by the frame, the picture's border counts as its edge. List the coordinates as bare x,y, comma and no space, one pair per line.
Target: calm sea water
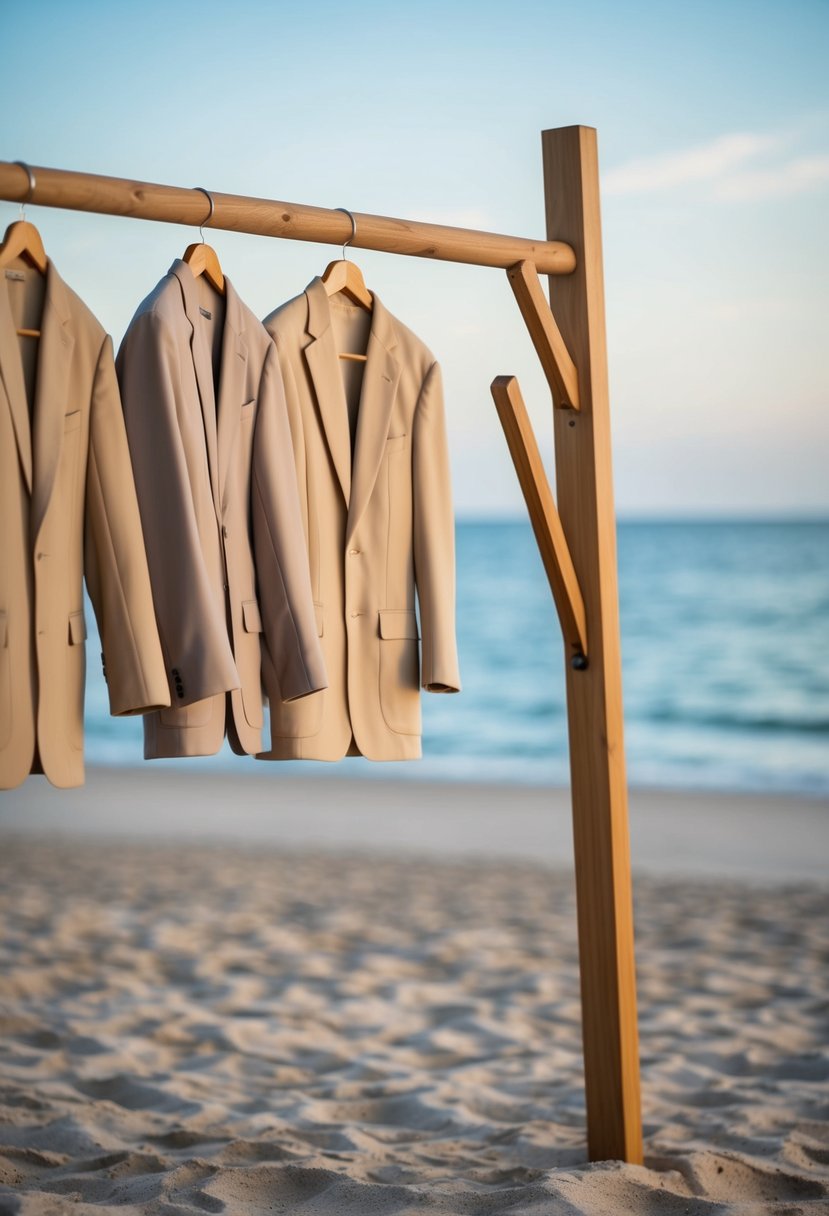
725,643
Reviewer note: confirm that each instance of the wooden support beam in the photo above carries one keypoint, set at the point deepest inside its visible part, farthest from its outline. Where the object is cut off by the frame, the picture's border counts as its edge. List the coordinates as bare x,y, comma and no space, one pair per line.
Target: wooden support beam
551,348
543,515
594,696
267,217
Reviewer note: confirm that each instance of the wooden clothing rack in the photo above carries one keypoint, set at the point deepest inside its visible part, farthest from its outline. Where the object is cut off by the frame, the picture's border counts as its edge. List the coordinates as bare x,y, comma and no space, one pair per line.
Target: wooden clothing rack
577,540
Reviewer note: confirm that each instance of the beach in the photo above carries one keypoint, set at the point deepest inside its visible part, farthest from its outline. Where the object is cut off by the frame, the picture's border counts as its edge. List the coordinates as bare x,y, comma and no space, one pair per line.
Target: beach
354,996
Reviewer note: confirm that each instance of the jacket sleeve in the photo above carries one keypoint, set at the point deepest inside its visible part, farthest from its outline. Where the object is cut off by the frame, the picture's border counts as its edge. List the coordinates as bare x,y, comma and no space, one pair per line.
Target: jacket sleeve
192,625
288,616
115,563
434,539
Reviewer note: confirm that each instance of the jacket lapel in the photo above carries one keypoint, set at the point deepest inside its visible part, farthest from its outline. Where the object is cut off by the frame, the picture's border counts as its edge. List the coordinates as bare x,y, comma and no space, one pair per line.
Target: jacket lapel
231,383
204,371
380,379
54,357
323,364
11,377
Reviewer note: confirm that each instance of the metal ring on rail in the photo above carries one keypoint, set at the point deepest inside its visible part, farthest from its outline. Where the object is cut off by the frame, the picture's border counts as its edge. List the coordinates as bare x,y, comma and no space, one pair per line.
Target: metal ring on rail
32,184
209,198
345,211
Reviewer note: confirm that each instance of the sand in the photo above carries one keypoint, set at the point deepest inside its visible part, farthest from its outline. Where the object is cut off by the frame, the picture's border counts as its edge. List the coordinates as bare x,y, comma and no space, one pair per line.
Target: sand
363,998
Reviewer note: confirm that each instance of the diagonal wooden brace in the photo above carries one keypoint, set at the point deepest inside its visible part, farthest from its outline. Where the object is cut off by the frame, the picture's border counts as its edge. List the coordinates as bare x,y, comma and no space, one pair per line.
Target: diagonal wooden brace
549,534
559,368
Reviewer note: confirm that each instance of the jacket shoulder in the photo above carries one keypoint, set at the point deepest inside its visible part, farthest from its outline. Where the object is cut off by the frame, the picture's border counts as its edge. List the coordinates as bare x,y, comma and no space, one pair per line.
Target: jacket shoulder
163,303
289,319
84,321
413,349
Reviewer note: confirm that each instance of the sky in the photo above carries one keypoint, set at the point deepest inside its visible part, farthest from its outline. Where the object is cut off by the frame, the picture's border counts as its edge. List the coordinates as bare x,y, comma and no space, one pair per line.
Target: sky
713,130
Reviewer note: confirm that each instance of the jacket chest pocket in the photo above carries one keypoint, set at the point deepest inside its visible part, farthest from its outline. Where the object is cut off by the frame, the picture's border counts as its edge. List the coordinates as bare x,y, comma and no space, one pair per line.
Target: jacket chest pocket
69,458
398,476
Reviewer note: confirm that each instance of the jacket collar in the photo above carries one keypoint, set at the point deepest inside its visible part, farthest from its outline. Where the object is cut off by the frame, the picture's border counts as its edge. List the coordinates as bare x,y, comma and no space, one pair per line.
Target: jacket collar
380,378
11,376
220,418
39,441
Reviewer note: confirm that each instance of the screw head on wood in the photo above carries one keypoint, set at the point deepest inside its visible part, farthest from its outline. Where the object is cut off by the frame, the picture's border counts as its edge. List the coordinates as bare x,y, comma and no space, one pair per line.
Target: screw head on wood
579,662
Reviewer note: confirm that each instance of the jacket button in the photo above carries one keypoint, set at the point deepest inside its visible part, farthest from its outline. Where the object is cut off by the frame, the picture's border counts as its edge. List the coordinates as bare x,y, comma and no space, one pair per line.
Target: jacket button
353,552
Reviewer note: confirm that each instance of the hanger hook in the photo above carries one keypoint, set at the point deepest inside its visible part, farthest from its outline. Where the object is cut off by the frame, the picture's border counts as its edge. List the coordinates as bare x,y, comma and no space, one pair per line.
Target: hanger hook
209,198
31,191
345,211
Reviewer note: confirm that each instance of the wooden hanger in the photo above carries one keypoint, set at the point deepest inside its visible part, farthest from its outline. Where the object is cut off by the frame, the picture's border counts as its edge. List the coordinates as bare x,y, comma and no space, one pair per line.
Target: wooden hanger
346,277
22,240
202,259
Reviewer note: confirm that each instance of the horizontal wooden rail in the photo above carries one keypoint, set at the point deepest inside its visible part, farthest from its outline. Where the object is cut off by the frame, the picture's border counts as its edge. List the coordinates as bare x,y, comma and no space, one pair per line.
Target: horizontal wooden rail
267,217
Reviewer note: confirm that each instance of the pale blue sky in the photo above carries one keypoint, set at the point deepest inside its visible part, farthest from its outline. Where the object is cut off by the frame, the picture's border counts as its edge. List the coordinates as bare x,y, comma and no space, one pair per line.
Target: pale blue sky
713,124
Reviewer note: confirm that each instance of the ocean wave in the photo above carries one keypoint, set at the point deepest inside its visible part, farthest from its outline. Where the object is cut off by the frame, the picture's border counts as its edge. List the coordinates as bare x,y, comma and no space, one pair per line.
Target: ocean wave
751,723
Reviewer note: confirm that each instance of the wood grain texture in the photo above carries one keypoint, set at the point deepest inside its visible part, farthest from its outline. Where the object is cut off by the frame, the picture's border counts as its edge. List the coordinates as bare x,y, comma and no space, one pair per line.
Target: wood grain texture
544,517
584,487
551,348
347,277
268,217
22,240
203,260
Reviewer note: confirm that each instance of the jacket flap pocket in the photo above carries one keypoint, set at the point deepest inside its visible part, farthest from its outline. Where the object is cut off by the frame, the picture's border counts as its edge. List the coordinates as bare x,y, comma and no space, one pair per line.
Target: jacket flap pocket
253,621
398,623
72,420
248,408
4,632
318,613
77,628
395,442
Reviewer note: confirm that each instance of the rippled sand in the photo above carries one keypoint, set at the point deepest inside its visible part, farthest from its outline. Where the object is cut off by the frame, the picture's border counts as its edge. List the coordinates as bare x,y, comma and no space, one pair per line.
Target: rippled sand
191,1028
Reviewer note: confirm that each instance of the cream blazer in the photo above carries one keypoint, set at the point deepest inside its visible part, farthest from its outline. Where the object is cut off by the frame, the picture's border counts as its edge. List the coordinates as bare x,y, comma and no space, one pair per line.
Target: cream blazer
379,528
211,448
67,508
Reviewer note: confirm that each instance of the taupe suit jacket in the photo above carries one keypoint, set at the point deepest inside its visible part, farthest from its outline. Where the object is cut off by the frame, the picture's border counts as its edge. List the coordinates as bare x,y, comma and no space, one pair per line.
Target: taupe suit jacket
379,528
216,483
67,507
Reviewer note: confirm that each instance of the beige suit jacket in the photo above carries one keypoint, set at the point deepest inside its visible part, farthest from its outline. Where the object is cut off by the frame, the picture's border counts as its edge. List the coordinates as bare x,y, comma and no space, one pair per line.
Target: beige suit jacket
379,528
67,507
219,506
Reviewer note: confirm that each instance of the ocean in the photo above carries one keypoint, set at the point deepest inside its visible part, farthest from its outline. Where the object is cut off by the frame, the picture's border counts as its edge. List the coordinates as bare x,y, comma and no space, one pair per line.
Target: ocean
725,652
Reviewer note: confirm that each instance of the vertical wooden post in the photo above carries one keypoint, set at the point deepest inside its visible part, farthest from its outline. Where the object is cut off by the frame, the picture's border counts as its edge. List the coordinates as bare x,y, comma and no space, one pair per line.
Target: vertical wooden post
594,695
